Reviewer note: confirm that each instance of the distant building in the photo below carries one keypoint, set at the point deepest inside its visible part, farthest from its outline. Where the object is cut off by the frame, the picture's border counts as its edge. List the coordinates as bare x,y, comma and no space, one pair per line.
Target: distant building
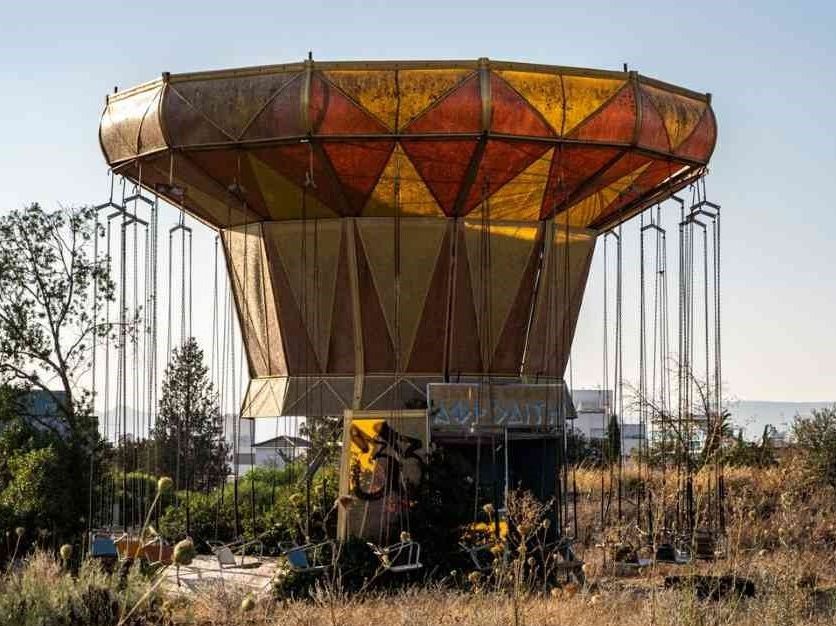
243,451
279,451
42,411
591,421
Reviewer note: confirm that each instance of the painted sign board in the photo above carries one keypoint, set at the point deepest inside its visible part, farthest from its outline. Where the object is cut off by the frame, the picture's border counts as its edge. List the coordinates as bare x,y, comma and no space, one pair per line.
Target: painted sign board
465,405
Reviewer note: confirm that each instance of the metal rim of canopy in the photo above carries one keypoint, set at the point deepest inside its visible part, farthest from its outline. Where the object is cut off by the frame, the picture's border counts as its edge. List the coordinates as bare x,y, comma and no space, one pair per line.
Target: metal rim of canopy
667,129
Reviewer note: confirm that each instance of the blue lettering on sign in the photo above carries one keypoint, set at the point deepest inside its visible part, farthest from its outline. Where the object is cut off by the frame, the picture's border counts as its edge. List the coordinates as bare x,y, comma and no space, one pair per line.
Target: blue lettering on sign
458,405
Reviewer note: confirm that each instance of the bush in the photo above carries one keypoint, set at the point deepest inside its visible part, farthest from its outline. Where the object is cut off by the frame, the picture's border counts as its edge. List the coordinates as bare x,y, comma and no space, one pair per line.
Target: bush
44,593
271,507
139,490
208,518
34,494
815,436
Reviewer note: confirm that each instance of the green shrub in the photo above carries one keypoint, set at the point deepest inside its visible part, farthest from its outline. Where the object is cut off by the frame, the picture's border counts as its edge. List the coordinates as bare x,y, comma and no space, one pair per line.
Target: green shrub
272,506
208,518
816,438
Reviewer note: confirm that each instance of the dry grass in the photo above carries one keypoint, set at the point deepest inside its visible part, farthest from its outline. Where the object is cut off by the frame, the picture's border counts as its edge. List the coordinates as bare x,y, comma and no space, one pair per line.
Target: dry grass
781,536
638,601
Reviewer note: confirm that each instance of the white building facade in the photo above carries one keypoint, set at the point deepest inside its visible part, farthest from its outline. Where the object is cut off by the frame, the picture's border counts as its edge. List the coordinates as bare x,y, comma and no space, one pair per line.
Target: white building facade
591,408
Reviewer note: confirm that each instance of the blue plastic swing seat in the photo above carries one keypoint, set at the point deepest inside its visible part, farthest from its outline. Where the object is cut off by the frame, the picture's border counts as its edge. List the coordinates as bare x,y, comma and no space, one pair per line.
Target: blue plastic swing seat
298,559
103,547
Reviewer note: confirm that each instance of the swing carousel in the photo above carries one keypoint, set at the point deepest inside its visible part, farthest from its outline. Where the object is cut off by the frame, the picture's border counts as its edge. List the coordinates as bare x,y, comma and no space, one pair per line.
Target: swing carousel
407,246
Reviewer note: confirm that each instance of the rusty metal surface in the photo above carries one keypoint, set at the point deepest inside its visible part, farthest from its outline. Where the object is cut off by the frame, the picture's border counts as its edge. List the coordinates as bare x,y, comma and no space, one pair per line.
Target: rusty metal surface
456,132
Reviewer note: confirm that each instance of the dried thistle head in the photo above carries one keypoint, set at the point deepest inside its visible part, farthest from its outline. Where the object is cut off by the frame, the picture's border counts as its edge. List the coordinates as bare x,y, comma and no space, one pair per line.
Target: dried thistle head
405,536
247,604
184,552
66,552
164,484
20,531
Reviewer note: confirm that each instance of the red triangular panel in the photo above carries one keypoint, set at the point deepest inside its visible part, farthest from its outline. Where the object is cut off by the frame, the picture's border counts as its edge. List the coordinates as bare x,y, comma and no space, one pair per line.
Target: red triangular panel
657,172
595,180
378,351
501,162
332,113
614,121
700,142
512,114
358,167
572,167
460,111
443,165
653,133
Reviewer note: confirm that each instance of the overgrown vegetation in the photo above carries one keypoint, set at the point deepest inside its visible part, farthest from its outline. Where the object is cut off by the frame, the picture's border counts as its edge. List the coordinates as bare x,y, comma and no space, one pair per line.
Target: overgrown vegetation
816,437
781,511
780,536
50,283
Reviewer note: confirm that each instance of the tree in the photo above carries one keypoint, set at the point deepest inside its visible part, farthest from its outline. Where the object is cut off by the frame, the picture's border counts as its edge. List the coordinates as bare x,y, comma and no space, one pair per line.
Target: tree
815,436
50,284
679,430
189,429
324,434
47,280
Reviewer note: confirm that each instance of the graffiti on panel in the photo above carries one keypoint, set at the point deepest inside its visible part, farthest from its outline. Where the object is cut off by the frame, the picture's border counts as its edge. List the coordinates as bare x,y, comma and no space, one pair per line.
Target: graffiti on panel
462,405
384,461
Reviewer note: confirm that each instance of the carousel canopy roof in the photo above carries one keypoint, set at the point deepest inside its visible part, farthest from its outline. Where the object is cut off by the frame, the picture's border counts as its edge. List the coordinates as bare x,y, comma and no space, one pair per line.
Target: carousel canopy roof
333,139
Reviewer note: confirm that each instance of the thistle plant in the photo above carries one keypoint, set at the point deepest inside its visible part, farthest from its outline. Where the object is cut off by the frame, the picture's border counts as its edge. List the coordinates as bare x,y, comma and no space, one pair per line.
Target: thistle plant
164,485
66,552
19,531
247,604
184,554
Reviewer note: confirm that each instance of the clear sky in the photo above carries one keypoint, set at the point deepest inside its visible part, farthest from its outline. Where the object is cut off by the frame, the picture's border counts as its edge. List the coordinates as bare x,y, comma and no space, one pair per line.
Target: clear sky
769,66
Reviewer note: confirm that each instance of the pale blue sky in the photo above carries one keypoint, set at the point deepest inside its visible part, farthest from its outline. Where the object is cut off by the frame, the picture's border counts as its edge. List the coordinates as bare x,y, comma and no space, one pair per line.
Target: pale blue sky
769,65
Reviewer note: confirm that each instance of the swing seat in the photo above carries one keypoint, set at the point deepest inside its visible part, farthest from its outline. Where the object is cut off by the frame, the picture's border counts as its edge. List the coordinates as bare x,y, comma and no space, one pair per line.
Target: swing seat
158,552
103,548
305,558
400,557
127,546
667,553
226,553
